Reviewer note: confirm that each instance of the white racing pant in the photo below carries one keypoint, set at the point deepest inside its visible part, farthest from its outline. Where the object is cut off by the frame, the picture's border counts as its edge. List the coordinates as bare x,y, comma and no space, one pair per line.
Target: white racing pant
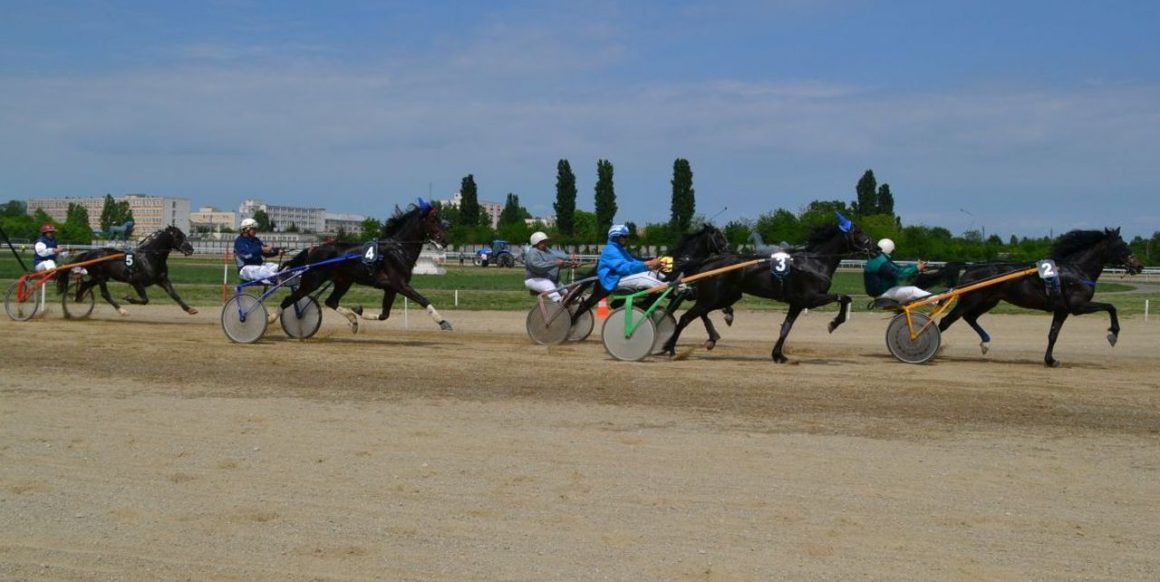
541,285
904,293
643,280
257,272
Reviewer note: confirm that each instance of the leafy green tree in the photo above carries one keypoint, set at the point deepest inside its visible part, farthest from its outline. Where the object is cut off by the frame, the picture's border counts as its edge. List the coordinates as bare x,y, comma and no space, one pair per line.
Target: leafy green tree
264,224
14,208
779,225
114,213
683,199
885,201
586,230
737,232
449,213
512,212
469,211
370,229
821,212
565,204
867,190
292,228
76,228
605,196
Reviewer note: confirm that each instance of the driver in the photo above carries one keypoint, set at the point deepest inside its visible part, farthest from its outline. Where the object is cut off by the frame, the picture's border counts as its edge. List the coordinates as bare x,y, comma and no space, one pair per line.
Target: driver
249,250
618,268
884,279
46,249
542,270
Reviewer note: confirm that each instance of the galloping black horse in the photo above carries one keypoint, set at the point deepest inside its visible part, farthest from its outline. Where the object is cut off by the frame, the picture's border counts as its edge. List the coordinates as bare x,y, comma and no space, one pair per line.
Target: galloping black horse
803,281
144,266
404,235
689,254
1080,257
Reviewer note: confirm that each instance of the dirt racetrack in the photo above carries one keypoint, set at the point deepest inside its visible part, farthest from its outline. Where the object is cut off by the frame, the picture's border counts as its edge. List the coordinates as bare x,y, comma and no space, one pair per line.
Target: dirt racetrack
150,447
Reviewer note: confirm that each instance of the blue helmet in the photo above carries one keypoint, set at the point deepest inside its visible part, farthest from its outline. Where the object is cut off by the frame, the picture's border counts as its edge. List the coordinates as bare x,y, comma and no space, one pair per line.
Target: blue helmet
617,230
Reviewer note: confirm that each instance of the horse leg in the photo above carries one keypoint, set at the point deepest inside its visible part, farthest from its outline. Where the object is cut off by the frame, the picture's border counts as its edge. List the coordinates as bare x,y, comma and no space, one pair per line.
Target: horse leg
843,312
777,355
410,293
1091,307
340,289
687,317
388,300
728,313
109,297
1056,323
712,330
168,287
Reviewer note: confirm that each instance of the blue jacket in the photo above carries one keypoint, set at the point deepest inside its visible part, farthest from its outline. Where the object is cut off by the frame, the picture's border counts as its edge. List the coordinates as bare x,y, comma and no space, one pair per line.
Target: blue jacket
614,263
248,251
48,242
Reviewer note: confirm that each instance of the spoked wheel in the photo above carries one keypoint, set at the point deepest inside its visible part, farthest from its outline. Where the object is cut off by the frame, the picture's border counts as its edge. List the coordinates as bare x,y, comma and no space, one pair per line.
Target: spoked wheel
303,319
665,325
549,325
244,319
635,347
22,300
919,350
78,308
583,326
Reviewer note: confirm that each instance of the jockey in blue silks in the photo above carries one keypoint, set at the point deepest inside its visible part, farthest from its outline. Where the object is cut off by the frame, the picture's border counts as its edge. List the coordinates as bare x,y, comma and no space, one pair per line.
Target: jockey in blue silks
618,268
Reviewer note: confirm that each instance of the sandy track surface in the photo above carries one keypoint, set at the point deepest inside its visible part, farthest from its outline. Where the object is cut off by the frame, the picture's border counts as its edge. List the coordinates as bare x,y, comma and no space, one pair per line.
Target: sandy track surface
150,447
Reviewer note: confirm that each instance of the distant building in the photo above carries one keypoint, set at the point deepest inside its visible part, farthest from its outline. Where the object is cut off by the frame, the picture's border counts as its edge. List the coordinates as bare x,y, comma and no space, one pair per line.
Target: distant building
208,219
305,219
547,221
347,222
491,209
150,213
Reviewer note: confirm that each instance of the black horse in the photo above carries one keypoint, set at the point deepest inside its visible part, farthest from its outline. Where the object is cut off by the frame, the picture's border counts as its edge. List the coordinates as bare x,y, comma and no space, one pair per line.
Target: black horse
395,254
1080,257
144,266
802,280
689,254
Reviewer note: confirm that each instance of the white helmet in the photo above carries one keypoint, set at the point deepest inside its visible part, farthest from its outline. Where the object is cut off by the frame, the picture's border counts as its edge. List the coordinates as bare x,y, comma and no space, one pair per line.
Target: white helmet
886,245
538,237
249,223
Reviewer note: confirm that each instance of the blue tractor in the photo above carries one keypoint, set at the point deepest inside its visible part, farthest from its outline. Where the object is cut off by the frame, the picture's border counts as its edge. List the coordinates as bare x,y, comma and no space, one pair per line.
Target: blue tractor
499,254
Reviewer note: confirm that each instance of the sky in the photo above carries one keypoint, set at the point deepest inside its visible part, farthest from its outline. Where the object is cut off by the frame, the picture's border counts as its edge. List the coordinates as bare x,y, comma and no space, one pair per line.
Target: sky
1010,117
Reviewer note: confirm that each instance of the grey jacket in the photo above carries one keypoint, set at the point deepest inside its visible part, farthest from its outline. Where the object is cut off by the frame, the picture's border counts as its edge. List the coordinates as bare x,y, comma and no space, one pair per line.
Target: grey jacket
541,265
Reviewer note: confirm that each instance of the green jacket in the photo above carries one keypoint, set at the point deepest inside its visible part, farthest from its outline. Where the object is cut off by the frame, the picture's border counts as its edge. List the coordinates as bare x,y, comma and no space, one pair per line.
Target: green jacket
880,274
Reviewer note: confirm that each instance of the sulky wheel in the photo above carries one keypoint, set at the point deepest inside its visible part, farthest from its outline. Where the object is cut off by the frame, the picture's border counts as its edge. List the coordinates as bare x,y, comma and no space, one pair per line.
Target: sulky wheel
303,319
631,348
78,308
548,325
583,326
244,319
665,325
22,300
919,350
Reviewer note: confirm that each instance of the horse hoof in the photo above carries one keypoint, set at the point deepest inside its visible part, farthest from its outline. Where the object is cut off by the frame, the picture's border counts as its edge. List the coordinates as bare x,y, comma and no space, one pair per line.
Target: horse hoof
780,358
445,325
357,309
729,319
122,311
1053,364
710,344
984,347
192,311
831,327
1112,339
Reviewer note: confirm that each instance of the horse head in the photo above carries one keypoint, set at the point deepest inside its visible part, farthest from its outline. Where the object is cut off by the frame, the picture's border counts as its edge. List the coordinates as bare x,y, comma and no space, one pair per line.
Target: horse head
178,240
434,229
1119,253
856,240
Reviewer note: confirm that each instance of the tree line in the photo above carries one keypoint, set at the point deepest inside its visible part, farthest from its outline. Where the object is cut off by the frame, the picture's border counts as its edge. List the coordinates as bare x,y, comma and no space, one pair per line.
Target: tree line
20,225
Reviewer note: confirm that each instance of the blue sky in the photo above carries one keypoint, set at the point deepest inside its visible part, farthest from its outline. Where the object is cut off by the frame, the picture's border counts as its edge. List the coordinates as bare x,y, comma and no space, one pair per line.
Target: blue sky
1015,117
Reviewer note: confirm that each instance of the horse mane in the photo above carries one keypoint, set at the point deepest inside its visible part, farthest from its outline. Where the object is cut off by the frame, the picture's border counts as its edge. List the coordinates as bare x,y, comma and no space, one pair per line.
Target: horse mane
818,235
1075,241
396,222
688,238
149,239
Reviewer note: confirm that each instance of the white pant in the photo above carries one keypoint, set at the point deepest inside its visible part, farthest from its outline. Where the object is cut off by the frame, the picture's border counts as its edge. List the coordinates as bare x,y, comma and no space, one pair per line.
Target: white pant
45,265
904,293
256,272
643,280
541,285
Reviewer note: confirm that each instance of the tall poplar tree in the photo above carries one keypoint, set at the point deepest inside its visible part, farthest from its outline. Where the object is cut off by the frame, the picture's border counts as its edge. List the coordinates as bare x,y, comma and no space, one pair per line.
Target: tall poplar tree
565,204
605,196
885,200
469,205
684,202
867,189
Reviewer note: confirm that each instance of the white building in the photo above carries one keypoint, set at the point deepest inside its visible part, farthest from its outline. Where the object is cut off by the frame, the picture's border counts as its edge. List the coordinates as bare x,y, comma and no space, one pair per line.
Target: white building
282,217
150,213
347,222
213,219
490,209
